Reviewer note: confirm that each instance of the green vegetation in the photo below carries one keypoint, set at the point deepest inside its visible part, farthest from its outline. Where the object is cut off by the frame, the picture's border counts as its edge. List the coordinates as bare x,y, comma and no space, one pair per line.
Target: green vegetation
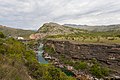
61,32
19,63
16,32
49,49
67,61
99,71
2,35
80,65
90,37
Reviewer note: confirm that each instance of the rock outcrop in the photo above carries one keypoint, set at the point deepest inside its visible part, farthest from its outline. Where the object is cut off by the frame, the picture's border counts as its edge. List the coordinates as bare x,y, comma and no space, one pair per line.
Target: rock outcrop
37,36
53,29
107,54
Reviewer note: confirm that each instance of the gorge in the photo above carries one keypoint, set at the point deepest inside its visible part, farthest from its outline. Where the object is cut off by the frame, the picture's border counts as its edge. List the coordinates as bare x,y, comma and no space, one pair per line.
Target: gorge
107,55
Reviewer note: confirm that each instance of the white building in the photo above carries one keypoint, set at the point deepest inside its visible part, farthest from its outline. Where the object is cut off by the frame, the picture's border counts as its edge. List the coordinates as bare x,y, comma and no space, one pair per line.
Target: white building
20,38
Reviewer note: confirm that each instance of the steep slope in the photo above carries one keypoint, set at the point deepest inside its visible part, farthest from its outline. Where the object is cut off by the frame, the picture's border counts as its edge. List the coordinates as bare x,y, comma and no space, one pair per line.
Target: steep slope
55,29
15,32
18,62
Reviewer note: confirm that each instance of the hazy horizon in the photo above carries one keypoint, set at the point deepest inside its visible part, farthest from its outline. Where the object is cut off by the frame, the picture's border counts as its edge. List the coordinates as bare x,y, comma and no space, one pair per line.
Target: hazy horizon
32,14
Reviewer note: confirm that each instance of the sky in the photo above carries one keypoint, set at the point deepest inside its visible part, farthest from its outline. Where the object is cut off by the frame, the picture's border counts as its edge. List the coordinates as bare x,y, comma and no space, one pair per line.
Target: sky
32,14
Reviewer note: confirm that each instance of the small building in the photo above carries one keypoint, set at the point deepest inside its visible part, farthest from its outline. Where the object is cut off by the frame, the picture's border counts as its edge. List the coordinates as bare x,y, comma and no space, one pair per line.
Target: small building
20,38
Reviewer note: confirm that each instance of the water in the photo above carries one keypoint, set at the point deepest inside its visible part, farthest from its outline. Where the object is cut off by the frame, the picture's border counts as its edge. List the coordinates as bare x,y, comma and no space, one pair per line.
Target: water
40,52
43,61
68,73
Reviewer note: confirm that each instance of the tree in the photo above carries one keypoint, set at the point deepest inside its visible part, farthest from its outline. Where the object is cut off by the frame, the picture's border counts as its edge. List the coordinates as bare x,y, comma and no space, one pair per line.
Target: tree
2,35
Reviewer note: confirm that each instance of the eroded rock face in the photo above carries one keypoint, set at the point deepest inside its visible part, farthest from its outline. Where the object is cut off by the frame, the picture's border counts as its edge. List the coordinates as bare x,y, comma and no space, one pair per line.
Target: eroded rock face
32,36
108,55
37,36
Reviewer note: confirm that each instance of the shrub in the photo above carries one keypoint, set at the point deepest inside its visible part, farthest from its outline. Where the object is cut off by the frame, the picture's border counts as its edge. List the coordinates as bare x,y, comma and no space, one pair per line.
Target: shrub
2,35
49,49
80,65
118,35
95,70
105,71
99,71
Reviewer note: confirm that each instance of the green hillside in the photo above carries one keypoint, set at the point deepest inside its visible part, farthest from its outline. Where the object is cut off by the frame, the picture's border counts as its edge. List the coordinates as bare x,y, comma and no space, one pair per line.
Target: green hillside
90,37
15,32
19,63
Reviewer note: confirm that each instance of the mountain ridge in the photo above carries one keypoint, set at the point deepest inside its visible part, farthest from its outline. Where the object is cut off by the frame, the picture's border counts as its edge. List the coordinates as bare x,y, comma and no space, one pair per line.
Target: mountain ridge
96,27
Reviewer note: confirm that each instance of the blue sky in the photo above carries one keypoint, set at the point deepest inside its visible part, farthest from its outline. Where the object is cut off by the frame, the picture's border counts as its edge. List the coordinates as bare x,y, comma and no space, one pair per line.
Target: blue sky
31,14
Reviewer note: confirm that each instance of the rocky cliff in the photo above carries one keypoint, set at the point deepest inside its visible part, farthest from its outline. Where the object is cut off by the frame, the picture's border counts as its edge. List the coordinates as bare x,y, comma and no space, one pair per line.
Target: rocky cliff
106,54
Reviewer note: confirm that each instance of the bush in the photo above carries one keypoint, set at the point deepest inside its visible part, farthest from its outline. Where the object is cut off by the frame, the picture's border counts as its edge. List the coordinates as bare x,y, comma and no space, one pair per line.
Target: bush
2,35
95,70
105,71
49,49
80,65
118,35
99,71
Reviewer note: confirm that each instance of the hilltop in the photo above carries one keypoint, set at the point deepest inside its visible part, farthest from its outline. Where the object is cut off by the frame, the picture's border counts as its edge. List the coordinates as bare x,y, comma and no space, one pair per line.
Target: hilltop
55,29
49,29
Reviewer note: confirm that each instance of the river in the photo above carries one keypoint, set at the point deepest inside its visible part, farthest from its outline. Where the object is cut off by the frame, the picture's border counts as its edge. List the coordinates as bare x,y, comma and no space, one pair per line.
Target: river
40,57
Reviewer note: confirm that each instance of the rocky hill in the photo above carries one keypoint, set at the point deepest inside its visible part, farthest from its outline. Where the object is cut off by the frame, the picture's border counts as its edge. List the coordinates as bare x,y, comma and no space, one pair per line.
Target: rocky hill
55,29
51,28
15,32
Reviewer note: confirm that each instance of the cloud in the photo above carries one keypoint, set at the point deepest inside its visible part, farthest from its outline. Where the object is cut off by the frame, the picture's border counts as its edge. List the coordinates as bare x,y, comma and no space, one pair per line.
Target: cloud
31,14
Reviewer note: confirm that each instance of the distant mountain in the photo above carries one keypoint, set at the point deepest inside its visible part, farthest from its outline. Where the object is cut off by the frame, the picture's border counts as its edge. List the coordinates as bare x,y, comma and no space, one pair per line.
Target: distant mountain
15,32
75,25
96,28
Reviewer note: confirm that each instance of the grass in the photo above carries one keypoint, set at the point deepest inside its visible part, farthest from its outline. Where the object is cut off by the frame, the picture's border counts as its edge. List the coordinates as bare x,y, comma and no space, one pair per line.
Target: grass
88,40
80,65
90,37
49,49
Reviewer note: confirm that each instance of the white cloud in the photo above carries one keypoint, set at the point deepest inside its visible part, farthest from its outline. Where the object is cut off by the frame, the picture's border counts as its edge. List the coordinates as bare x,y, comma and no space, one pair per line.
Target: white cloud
30,14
